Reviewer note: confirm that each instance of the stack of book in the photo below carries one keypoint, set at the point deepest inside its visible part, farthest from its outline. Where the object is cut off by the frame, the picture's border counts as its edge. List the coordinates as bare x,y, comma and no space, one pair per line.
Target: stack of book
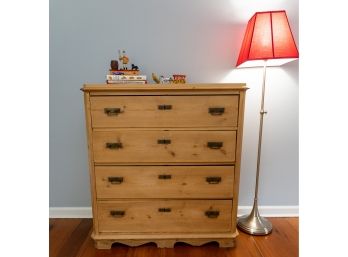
125,77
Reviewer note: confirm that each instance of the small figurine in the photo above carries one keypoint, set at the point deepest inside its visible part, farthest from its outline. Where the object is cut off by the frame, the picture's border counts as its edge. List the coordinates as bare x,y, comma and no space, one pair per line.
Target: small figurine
123,58
155,78
114,65
168,80
134,67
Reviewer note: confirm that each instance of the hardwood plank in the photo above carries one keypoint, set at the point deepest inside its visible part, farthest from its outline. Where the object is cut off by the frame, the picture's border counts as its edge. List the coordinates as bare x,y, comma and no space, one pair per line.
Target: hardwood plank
88,250
75,234
294,222
76,239
51,223
87,245
182,249
245,247
59,233
283,241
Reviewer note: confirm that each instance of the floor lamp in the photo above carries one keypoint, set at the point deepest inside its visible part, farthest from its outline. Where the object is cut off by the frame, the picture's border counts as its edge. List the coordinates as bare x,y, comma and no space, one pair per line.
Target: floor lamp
268,41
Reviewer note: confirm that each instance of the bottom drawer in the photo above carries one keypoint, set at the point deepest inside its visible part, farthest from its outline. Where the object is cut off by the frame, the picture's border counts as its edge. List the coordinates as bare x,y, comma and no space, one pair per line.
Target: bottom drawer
165,216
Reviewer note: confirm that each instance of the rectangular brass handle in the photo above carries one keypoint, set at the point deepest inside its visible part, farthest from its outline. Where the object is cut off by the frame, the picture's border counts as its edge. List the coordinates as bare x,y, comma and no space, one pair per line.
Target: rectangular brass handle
215,145
213,180
117,214
212,214
115,180
216,110
164,176
164,107
112,111
114,145
164,209
164,141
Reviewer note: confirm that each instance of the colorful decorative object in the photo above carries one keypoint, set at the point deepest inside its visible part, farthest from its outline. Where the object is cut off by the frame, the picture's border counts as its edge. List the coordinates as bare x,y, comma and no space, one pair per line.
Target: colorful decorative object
175,79
268,41
121,75
123,58
164,80
179,79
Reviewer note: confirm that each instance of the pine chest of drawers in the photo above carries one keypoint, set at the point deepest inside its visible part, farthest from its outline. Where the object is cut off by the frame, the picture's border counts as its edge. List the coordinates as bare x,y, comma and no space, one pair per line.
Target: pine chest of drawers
164,162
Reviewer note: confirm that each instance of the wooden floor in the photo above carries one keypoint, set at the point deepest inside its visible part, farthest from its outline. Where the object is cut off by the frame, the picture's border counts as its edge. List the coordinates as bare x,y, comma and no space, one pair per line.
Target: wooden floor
71,238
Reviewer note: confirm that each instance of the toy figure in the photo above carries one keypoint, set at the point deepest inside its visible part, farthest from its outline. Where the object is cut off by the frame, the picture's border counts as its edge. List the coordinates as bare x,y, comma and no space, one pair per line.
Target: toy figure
155,78
134,67
179,79
123,58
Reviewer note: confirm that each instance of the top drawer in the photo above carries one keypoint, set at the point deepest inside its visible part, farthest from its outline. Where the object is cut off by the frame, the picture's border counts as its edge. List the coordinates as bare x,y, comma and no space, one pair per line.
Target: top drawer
164,111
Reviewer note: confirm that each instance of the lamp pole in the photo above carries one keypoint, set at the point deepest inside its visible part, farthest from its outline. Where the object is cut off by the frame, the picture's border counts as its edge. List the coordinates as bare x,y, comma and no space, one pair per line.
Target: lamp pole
253,223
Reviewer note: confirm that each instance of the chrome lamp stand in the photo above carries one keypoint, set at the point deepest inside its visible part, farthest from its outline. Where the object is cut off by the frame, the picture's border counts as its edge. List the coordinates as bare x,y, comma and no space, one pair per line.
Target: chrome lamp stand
253,223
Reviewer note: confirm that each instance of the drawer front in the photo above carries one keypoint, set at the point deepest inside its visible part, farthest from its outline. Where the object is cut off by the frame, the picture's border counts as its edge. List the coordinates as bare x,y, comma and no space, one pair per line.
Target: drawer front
164,146
165,216
164,181
164,111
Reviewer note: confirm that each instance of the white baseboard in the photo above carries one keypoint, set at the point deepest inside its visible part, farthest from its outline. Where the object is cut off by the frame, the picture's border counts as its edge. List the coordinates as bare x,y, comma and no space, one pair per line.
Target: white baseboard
70,212
266,211
272,211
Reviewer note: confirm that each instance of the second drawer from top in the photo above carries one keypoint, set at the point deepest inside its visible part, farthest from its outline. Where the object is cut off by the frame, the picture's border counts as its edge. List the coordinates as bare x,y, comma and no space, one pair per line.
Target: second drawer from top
159,146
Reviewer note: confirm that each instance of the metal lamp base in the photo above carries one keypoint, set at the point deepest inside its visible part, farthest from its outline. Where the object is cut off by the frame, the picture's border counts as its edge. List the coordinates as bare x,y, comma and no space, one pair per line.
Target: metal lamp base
254,224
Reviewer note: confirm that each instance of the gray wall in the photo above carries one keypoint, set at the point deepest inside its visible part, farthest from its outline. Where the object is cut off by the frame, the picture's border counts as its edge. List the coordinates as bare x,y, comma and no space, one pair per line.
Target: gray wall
200,38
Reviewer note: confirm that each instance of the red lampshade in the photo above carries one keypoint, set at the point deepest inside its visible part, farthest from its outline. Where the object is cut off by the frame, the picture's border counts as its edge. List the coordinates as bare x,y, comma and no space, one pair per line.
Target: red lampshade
267,37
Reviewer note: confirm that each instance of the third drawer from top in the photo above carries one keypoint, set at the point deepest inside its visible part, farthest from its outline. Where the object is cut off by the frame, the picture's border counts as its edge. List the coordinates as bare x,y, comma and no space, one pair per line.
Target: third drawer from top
207,182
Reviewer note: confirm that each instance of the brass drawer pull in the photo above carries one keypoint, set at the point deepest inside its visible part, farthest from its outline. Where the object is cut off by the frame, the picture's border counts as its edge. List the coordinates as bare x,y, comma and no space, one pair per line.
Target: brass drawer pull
117,214
112,111
164,141
164,107
115,180
114,145
164,176
216,110
213,180
164,209
215,145
212,214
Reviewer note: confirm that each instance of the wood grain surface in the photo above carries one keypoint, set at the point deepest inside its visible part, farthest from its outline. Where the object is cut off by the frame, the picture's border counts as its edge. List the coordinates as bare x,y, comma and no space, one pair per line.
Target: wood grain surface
207,182
181,146
71,238
168,216
164,111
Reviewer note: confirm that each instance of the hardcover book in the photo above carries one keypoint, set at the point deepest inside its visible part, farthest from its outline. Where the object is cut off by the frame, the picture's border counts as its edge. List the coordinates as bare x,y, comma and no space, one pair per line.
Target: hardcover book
126,77
124,72
126,81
